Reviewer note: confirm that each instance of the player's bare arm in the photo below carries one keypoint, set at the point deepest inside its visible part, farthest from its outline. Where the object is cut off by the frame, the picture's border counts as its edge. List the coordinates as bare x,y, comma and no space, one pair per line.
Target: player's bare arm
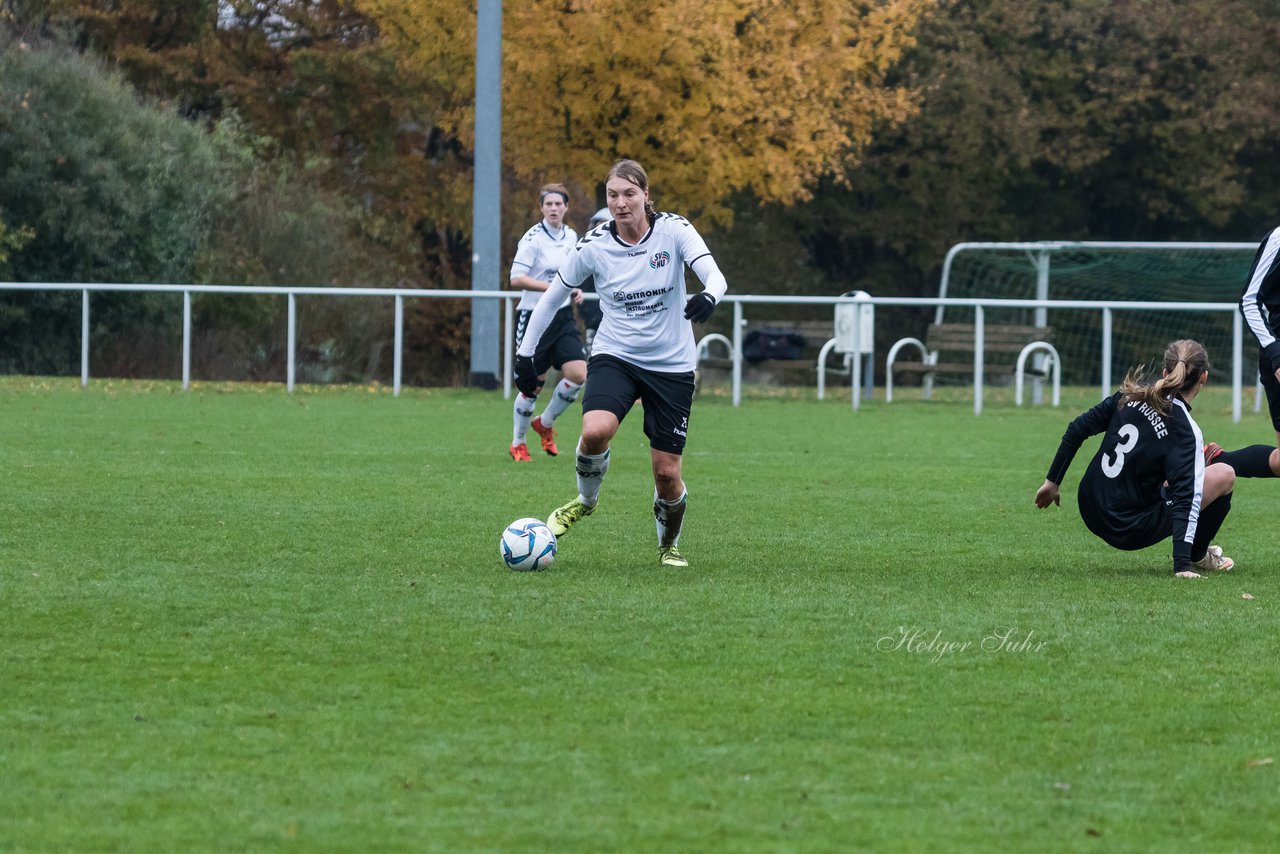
1047,494
529,283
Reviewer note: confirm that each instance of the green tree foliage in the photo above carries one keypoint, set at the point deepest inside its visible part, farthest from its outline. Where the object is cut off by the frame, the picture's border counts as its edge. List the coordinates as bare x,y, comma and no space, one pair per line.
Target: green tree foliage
312,79
113,190
278,228
321,97
99,186
11,239
108,189
1118,120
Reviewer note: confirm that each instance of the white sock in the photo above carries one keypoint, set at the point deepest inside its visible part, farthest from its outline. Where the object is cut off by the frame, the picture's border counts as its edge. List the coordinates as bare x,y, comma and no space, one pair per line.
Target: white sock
564,394
523,414
669,516
591,469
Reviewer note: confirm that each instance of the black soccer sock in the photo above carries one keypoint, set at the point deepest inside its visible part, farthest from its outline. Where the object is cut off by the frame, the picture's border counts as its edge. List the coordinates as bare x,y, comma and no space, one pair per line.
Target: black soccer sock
1211,519
1253,461
670,518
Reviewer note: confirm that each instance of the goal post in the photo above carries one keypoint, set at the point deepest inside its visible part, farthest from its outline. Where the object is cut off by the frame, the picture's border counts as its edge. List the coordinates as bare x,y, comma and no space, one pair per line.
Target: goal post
1207,272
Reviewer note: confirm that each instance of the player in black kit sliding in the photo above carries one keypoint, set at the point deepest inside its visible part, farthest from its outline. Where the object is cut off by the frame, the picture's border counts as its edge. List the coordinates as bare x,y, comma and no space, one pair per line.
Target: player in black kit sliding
1148,480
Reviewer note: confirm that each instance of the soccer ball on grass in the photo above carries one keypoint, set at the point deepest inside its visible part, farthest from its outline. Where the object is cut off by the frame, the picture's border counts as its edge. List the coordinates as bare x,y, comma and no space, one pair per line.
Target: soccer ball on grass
527,545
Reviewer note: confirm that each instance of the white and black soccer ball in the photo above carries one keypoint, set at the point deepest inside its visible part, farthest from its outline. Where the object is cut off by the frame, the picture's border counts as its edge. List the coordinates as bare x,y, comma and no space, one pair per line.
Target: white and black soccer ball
527,545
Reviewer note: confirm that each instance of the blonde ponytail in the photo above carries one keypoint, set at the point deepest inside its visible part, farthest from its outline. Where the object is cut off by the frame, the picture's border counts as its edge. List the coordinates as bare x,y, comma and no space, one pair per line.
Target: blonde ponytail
1184,362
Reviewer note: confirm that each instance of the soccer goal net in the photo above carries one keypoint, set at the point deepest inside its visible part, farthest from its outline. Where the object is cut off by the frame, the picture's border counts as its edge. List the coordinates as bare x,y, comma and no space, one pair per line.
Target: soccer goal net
1157,272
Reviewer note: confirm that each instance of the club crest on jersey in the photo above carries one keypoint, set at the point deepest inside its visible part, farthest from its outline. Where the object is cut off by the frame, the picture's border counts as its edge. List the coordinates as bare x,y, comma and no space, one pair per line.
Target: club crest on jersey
660,260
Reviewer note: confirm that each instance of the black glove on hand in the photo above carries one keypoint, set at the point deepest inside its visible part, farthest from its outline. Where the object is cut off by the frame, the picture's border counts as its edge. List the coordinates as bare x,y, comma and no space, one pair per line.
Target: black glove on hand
699,307
526,376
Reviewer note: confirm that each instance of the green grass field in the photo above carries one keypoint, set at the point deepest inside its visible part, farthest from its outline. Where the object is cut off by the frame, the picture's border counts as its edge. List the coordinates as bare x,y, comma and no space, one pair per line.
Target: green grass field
233,619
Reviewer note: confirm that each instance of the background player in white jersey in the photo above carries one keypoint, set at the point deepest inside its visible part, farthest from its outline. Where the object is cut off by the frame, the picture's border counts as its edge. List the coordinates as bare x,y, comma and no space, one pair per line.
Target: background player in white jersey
1260,305
540,253
644,349
1148,480
589,310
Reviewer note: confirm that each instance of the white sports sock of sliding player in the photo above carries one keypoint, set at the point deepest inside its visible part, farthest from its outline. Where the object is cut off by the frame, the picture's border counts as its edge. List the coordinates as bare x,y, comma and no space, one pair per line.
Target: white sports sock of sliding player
564,394
669,516
591,469
523,414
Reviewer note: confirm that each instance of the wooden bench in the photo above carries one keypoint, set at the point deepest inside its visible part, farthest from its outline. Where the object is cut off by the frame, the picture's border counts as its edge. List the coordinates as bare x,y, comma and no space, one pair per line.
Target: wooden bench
948,348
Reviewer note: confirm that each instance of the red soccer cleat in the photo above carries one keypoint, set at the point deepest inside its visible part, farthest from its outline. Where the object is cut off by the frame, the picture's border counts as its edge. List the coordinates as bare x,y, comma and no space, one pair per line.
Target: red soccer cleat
548,436
520,453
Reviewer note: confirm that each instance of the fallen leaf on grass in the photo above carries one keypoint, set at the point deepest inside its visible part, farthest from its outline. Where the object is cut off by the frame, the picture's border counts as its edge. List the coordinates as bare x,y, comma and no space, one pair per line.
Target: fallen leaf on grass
1246,595
1255,763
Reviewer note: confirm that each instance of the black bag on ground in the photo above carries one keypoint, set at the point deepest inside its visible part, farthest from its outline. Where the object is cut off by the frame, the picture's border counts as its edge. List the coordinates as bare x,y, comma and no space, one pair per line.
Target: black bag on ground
771,343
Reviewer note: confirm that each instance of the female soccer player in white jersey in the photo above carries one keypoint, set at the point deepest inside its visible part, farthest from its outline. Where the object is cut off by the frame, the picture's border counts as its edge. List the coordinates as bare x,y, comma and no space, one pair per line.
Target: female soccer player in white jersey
1260,305
1148,480
644,348
541,252
589,310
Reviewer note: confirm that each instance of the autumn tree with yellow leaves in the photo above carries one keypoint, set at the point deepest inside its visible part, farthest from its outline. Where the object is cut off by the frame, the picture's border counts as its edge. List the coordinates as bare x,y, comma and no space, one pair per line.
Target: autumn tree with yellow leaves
715,97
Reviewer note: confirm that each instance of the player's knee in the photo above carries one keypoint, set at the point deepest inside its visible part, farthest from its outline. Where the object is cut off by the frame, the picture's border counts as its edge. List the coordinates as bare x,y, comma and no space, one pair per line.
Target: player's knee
666,475
597,434
593,441
1219,480
667,482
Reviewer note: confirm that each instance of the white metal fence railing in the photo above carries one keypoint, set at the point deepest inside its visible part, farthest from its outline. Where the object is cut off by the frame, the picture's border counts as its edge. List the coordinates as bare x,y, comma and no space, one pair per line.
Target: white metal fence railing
1106,308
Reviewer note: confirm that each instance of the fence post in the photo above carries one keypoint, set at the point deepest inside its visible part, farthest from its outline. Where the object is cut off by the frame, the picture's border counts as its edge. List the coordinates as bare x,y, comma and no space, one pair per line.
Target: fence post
855,366
737,353
1106,353
1041,319
979,357
84,338
398,362
293,338
186,340
509,344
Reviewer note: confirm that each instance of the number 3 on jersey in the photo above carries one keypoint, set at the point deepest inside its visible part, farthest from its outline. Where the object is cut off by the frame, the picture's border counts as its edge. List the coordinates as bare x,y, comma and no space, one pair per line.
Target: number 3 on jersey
1129,438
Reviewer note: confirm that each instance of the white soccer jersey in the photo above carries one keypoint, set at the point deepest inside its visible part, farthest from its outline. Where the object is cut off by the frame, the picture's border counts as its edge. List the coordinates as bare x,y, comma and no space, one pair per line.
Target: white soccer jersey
538,256
642,291
1262,293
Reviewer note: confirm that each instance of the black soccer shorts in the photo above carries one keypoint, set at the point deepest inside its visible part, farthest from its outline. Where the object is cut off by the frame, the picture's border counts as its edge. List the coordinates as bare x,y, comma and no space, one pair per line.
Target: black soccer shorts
561,342
1129,529
1269,382
614,384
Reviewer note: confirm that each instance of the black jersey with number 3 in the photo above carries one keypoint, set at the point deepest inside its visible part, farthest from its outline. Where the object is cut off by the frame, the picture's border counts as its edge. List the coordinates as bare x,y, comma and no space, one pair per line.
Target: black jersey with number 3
1146,481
